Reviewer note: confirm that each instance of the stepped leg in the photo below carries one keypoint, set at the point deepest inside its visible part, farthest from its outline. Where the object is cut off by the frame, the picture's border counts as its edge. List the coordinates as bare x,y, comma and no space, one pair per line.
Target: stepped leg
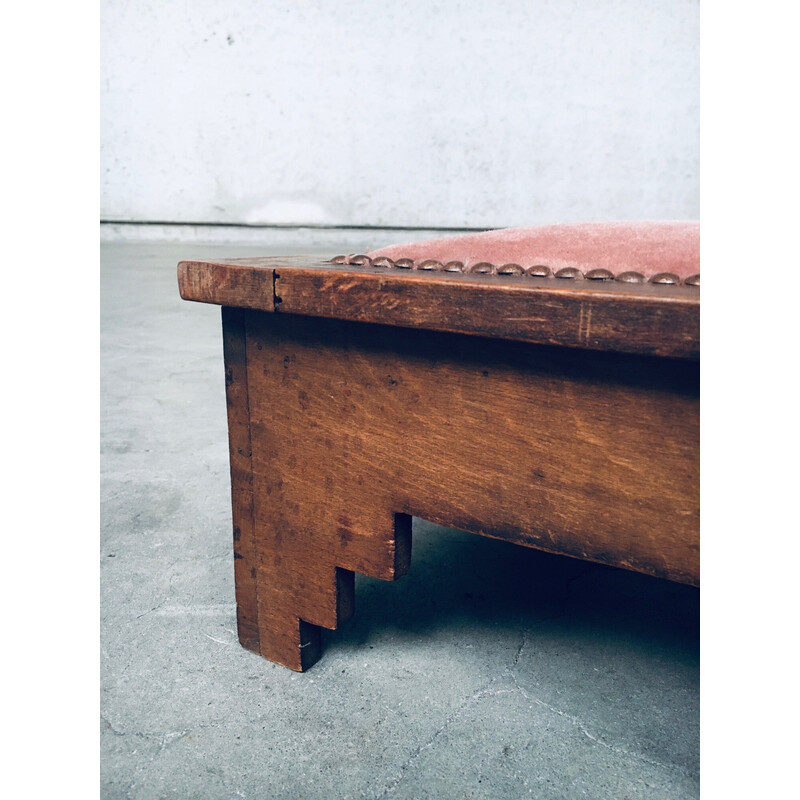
296,544
286,638
300,585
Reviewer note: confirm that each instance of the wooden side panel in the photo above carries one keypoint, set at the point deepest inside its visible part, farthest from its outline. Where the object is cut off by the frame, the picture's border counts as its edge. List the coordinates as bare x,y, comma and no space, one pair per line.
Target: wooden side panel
244,553
355,427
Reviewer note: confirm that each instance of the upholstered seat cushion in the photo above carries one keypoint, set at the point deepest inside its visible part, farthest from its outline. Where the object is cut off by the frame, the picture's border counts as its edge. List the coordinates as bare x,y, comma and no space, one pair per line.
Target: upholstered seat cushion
648,248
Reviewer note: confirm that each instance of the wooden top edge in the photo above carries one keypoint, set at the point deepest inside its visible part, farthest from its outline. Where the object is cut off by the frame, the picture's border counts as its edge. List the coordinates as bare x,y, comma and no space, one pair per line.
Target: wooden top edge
227,284
667,292
646,318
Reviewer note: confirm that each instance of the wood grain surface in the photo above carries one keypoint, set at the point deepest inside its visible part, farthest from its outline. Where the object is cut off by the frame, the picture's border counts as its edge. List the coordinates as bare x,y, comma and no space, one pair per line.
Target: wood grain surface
598,315
227,283
354,427
234,350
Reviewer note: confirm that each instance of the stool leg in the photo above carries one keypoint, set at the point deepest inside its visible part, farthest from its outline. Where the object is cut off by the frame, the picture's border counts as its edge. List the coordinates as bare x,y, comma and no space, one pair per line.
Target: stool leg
300,586
296,546
286,638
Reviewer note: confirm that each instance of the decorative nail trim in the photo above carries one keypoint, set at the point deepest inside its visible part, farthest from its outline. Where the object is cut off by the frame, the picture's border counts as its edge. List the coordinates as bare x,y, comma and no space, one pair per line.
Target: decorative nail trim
631,277
665,277
481,268
359,260
513,270
599,275
510,269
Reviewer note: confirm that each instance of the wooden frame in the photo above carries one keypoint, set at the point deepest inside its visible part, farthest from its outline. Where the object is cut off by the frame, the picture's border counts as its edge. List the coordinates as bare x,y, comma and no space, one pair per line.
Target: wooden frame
567,419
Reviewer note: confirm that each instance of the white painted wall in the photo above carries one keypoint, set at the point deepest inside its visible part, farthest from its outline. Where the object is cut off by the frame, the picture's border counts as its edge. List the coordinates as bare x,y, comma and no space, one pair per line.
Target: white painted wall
417,114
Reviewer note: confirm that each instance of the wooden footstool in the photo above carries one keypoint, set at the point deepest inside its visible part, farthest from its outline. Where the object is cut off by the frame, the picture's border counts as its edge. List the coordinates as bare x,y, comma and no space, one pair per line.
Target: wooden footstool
560,413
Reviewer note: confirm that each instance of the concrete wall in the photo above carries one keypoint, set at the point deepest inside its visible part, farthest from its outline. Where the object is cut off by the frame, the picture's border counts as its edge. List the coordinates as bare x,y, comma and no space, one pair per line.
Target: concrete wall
418,114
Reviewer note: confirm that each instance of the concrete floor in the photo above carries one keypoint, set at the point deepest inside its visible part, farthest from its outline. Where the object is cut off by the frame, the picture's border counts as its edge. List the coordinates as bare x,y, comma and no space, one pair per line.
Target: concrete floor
490,671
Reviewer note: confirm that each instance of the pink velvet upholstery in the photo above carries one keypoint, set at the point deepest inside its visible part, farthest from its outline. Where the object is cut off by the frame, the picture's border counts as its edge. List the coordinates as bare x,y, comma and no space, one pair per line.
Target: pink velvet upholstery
645,247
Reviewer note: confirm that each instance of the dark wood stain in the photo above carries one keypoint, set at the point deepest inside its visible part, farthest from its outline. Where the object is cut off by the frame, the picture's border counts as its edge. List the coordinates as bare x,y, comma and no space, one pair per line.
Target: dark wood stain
575,429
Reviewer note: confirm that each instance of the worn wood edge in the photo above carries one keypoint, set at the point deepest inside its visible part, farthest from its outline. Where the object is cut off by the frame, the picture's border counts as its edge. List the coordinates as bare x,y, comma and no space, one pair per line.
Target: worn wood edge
632,319
537,310
687,578
227,284
241,471
336,275
297,264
